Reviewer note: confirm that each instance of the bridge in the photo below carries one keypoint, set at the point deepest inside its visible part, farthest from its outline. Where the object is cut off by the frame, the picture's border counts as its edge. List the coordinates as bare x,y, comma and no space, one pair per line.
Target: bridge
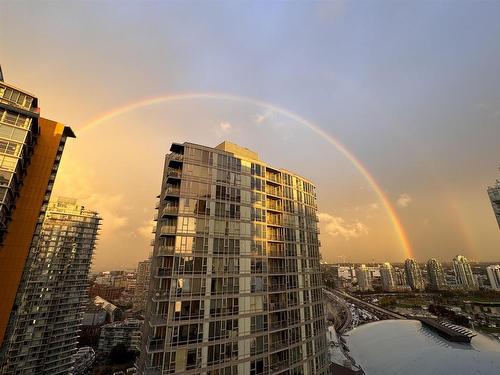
374,309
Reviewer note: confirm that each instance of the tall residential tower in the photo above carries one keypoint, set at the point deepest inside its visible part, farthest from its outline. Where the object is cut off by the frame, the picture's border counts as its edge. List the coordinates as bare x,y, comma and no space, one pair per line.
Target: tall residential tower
414,275
388,277
463,273
46,325
236,284
437,277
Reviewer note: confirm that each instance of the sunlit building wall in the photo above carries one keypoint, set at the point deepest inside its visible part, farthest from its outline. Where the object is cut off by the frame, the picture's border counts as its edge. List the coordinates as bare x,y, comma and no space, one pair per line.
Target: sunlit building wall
236,285
46,325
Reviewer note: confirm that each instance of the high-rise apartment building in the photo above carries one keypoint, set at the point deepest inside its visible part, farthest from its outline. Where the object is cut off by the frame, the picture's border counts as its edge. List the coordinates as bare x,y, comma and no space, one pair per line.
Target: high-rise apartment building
236,284
364,277
141,284
45,327
414,275
494,194
463,273
437,277
30,151
387,277
493,273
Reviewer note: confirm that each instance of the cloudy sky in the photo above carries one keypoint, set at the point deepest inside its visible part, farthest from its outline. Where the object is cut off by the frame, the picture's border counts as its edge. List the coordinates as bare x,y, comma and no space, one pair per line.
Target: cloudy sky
412,89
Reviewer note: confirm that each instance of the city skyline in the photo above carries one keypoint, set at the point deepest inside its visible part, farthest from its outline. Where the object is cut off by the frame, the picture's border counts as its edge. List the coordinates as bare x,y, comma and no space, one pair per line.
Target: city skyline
424,156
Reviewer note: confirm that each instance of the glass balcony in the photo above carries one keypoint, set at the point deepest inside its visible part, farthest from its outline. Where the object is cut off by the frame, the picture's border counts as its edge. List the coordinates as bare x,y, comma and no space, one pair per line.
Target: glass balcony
274,205
170,210
175,156
277,287
168,230
166,250
156,345
157,320
174,173
271,190
274,177
171,190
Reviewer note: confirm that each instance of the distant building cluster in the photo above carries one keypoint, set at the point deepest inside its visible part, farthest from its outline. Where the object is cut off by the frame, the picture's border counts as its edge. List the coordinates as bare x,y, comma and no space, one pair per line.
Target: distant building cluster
411,276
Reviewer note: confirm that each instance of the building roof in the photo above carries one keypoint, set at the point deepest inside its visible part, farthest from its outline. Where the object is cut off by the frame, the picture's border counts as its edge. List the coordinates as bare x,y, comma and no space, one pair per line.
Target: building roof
406,347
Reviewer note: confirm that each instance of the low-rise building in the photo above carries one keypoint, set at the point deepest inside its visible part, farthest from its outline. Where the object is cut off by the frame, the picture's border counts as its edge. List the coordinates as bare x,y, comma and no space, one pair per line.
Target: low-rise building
83,360
112,312
127,333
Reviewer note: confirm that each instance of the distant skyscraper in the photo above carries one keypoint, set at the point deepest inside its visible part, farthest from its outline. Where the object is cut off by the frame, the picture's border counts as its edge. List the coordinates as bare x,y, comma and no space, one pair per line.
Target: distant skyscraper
45,327
494,194
494,276
387,276
30,151
414,275
364,278
437,278
463,273
141,284
235,275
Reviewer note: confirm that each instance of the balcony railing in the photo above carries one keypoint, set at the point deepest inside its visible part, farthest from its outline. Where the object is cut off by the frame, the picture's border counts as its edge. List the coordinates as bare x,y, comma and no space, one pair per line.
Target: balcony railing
156,345
170,210
279,305
172,190
279,365
161,295
157,320
164,271
174,173
278,345
175,156
278,270
272,205
277,287
273,177
274,237
166,250
276,253
274,221
273,191
168,229
279,324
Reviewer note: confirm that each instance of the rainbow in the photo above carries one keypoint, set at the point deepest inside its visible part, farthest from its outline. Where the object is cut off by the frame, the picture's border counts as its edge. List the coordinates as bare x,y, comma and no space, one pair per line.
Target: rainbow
389,208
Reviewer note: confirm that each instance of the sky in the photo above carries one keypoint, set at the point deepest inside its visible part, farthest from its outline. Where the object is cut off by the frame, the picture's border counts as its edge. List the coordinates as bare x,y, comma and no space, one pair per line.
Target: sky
410,89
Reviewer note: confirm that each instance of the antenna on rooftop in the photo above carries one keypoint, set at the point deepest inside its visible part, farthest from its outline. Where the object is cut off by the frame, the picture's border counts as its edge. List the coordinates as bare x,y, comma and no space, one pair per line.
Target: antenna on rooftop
1,74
